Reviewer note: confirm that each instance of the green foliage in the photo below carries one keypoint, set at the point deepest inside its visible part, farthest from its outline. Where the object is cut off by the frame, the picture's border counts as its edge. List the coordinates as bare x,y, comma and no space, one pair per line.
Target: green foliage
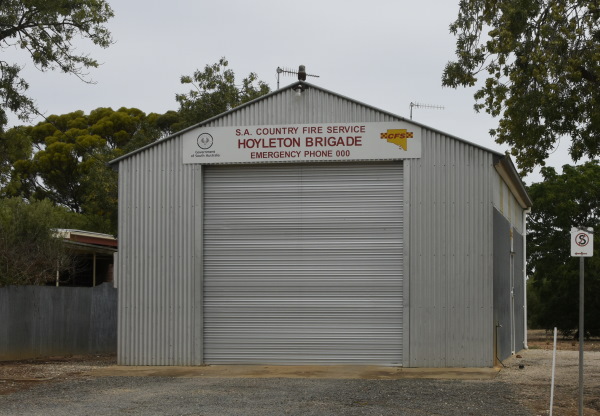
215,92
64,159
29,251
14,146
560,202
46,29
541,60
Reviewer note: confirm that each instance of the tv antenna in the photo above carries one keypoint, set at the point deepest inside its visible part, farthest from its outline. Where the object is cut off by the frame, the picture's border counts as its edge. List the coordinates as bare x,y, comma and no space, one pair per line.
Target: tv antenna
301,72
420,105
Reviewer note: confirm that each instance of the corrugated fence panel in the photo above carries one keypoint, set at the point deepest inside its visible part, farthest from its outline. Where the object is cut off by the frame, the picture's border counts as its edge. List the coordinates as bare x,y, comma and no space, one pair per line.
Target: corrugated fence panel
40,321
303,264
450,255
156,257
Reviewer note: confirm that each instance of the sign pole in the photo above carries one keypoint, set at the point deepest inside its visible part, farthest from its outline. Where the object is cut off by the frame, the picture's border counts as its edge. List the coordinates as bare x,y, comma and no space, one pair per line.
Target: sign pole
581,334
582,245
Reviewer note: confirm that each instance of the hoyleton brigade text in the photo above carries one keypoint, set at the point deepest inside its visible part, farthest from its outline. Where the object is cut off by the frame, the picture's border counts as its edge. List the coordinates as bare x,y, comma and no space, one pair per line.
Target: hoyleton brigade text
304,141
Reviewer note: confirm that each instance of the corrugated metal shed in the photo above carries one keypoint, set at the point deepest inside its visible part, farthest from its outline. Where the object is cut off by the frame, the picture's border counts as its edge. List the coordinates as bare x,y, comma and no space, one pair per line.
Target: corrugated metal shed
449,197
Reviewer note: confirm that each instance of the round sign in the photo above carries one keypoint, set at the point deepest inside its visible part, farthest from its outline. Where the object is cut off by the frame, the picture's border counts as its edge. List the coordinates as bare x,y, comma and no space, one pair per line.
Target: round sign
582,239
205,141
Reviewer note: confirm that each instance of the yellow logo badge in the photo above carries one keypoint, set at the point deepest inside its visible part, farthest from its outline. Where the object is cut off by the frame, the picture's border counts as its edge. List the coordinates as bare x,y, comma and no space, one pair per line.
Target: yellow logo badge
398,137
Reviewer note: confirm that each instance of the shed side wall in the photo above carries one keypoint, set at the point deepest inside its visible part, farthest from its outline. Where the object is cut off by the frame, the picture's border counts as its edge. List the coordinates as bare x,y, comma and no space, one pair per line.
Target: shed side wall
506,203
450,244
509,288
156,258
502,286
519,290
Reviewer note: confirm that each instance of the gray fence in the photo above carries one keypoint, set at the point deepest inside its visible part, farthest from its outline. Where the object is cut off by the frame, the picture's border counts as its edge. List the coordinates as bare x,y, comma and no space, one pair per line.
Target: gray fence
41,321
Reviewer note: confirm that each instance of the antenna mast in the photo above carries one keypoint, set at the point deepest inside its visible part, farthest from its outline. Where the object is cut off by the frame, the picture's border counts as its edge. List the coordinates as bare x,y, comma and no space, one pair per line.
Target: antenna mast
290,72
420,105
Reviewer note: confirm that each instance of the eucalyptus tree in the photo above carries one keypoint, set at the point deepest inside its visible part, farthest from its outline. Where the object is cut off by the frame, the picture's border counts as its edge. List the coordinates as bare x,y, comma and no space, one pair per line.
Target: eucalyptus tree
561,201
536,65
46,30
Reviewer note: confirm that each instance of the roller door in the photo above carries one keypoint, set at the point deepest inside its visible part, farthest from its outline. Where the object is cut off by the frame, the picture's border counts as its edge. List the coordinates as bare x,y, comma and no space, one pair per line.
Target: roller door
303,263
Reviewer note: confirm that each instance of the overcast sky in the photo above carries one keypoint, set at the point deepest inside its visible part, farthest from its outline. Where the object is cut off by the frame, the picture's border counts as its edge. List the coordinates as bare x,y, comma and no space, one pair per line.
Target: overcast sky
385,53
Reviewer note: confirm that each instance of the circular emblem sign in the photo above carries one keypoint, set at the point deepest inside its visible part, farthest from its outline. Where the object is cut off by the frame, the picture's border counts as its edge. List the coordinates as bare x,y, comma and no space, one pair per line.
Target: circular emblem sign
205,141
582,239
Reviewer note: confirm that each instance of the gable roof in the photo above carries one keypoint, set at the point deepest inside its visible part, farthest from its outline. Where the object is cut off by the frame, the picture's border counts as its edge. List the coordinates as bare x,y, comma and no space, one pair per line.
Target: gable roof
502,162
304,85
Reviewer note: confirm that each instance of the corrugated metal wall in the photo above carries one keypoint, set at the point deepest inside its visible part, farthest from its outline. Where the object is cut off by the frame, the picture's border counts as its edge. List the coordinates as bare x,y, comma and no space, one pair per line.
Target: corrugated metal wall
156,258
449,235
450,255
160,299
315,106
502,287
506,203
519,291
509,290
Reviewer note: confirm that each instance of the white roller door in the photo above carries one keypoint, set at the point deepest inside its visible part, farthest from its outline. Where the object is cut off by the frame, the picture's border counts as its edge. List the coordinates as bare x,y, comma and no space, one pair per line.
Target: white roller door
303,263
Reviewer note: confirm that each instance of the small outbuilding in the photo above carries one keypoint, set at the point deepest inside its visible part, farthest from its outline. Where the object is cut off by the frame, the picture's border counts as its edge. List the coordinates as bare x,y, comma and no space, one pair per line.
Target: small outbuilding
305,227
93,257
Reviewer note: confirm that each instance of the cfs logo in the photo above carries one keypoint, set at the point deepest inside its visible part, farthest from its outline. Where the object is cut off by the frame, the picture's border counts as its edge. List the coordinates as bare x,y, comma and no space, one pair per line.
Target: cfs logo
398,137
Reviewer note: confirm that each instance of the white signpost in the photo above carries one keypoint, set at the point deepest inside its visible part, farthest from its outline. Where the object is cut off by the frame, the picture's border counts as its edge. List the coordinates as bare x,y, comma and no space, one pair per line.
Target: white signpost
582,245
582,242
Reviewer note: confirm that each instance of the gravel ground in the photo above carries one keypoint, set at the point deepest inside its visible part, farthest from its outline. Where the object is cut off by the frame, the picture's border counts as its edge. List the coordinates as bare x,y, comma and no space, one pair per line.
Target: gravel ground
533,381
67,386
217,396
